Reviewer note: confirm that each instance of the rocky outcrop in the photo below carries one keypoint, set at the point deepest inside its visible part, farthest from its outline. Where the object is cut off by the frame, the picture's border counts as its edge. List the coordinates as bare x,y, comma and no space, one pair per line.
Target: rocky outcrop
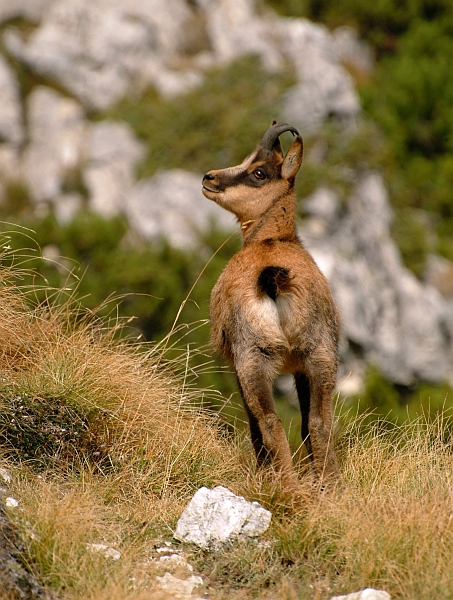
15,580
98,51
56,133
390,318
111,154
170,205
324,86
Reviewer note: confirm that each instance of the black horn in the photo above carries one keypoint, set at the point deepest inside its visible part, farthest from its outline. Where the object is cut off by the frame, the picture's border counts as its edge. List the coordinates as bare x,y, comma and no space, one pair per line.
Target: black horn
272,134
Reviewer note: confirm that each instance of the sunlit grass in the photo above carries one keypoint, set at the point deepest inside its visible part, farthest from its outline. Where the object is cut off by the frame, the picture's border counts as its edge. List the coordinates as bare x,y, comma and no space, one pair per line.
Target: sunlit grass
116,444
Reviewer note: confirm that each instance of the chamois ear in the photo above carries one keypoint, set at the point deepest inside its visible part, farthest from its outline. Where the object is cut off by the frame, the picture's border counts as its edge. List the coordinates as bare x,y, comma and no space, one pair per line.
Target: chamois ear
293,159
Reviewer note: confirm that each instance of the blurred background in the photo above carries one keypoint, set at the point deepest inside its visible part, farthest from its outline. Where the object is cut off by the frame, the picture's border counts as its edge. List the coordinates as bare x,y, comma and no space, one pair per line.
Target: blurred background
111,111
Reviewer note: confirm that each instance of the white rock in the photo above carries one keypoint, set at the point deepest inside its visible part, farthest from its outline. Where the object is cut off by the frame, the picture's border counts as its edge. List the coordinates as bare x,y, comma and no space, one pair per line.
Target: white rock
235,30
11,502
112,152
439,274
57,128
10,163
175,561
11,118
30,10
214,517
323,203
352,51
180,589
5,475
171,205
398,322
366,594
324,86
105,550
67,206
101,49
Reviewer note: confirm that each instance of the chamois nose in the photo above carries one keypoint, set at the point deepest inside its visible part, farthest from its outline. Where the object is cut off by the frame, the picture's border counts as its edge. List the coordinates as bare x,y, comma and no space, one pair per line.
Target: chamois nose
208,176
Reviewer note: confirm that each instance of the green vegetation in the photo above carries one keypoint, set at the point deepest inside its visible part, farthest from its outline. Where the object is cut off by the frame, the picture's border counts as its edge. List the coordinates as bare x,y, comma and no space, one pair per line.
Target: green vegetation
397,404
215,126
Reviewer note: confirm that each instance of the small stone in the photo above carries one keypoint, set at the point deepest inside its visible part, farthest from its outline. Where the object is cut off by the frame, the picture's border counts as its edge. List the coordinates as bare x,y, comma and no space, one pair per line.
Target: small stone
180,589
366,594
175,561
11,502
215,517
5,475
107,551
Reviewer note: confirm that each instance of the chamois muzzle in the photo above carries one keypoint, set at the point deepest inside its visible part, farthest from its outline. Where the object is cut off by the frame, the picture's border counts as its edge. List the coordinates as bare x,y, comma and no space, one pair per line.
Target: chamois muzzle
209,177
272,134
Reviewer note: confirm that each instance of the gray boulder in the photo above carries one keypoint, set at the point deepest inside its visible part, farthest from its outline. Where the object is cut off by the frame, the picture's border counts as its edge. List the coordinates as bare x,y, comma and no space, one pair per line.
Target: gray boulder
101,49
30,10
171,205
56,130
235,29
399,323
351,51
111,153
324,86
215,517
11,118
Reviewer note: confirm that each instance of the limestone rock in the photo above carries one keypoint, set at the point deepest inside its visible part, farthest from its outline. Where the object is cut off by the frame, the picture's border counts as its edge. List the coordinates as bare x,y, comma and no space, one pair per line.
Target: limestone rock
100,49
234,30
399,323
11,119
366,594
106,551
30,10
180,589
215,517
324,86
171,205
352,51
57,128
112,152
16,581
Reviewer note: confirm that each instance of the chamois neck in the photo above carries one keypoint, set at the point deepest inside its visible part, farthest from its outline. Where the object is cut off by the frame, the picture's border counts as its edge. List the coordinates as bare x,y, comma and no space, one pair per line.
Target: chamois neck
276,223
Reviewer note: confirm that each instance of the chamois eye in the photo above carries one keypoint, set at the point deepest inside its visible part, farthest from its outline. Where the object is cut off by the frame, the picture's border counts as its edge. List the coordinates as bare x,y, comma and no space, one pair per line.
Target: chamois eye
259,174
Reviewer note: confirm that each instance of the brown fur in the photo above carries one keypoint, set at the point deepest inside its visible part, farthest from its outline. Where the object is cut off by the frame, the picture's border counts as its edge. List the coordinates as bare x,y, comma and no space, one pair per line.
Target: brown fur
272,310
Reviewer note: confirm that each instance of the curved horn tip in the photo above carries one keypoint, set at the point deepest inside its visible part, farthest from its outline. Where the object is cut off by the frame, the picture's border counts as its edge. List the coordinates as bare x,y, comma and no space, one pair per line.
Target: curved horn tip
274,131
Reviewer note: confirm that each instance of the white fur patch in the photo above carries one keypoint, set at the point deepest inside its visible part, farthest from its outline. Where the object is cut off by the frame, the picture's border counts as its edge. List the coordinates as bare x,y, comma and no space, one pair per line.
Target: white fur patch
285,310
265,319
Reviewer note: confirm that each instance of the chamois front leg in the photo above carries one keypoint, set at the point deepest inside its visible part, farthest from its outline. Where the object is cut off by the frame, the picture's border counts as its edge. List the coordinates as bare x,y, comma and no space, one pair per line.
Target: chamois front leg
268,436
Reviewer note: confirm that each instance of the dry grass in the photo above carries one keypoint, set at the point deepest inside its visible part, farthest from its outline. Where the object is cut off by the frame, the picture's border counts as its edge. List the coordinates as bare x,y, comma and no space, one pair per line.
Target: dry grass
107,447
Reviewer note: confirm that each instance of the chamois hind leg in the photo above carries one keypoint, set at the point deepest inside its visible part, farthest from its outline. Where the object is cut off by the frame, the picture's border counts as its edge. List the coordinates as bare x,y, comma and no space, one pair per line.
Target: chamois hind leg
262,455
322,379
303,393
255,377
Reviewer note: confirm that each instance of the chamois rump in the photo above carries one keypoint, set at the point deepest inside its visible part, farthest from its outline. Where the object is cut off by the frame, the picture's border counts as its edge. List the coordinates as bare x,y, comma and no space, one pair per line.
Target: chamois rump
272,310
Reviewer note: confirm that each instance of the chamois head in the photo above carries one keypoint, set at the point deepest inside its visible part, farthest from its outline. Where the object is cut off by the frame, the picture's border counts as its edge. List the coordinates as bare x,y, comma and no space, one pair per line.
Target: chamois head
248,189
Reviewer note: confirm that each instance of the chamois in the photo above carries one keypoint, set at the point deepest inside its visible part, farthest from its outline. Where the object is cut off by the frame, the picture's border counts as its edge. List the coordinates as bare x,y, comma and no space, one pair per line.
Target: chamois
272,310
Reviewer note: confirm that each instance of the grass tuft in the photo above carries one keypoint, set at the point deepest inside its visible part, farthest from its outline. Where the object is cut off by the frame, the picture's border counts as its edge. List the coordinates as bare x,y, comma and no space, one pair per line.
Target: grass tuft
106,446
